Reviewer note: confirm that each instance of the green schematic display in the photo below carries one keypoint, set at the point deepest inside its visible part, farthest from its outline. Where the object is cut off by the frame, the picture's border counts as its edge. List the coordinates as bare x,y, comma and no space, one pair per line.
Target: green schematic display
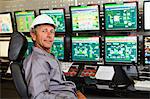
121,49
58,47
85,18
120,16
30,46
58,16
24,20
85,49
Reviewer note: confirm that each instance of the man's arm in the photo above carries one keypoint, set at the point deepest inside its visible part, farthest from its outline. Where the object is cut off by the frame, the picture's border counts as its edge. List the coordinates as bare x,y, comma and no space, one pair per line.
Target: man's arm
47,95
37,78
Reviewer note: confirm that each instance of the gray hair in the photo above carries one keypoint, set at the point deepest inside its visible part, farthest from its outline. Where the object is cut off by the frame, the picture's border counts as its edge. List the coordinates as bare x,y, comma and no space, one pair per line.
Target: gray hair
33,30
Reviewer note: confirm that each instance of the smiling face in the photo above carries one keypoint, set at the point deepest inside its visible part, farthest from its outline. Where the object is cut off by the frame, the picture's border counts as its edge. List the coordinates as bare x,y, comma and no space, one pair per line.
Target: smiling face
43,36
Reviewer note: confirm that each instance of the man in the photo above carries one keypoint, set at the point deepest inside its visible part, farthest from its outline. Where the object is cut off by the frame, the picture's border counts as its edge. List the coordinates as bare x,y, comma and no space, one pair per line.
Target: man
43,74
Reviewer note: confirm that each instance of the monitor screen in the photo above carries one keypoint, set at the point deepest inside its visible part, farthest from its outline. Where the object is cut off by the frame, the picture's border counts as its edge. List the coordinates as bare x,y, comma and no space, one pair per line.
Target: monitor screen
6,23
24,20
58,15
120,49
84,18
30,46
121,16
147,50
58,47
146,15
85,49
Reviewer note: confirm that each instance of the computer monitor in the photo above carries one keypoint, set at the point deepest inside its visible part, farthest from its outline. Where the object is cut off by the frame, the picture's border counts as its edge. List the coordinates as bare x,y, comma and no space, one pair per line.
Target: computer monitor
146,14
6,23
24,20
146,50
85,49
121,49
123,16
58,47
85,18
58,15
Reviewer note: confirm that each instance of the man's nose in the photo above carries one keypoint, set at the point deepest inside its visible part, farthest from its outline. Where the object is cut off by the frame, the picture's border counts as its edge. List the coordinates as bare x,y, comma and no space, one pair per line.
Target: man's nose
49,33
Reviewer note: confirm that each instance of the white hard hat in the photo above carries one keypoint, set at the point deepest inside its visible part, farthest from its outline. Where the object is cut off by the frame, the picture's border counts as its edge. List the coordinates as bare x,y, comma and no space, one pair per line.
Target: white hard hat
42,19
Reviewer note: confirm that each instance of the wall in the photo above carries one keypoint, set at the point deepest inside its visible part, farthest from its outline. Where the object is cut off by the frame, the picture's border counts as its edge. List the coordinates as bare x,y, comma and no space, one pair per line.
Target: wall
19,5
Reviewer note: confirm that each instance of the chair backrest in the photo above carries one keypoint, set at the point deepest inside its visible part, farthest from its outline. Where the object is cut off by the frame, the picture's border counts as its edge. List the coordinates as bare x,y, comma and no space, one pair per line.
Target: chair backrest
120,79
17,48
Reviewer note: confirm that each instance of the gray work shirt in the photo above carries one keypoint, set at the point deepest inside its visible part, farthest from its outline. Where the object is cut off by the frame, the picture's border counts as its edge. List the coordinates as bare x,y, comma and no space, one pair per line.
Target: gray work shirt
44,77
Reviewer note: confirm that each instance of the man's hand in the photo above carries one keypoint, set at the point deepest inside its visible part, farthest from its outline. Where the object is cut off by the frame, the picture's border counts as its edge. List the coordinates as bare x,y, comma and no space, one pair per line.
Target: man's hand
80,95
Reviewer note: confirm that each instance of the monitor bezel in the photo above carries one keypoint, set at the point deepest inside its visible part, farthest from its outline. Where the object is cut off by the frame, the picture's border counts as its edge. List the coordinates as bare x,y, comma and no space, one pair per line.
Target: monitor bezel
123,30
120,63
85,31
12,25
144,50
84,61
64,12
26,33
144,16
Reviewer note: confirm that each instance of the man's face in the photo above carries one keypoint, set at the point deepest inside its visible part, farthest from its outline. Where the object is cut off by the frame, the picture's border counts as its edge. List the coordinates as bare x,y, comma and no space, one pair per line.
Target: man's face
44,37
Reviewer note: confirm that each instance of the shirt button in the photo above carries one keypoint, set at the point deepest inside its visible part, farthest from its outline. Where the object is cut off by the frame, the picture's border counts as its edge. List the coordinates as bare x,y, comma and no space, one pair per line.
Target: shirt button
49,73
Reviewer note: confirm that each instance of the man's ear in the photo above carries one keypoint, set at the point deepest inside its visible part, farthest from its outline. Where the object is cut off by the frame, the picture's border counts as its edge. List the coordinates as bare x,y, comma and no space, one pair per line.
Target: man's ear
33,35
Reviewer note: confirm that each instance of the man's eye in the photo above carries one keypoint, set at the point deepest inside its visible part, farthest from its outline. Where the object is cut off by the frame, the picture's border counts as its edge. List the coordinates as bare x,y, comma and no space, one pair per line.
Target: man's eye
52,31
44,31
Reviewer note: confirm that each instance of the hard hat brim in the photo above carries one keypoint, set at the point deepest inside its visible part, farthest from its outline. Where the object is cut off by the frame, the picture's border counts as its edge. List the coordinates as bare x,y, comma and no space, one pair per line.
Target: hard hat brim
44,24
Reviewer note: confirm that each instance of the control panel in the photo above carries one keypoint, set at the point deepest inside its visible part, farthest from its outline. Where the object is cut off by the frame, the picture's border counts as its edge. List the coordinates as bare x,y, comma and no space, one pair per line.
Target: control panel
88,71
72,71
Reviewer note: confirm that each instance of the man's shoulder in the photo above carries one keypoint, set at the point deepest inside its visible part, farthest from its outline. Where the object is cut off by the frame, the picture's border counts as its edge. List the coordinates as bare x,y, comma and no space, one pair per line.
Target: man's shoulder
34,57
26,60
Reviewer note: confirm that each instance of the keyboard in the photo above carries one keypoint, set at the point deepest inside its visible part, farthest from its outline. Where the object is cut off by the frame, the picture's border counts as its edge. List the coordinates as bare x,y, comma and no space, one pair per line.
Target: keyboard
142,85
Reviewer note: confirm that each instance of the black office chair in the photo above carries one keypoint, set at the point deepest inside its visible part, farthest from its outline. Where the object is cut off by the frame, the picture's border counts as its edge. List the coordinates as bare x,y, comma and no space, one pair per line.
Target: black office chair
120,79
121,83
17,48
132,71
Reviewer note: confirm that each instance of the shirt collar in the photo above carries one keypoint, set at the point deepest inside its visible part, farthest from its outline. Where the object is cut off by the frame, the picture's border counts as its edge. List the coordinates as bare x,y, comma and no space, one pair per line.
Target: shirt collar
41,51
